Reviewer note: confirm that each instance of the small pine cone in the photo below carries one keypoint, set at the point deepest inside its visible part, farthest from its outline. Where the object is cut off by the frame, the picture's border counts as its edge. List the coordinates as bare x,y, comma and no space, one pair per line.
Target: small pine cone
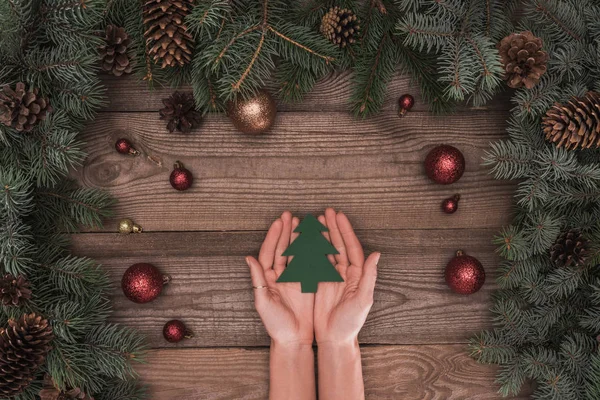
570,248
167,38
22,109
24,345
576,124
113,52
14,291
523,59
180,112
51,392
340,26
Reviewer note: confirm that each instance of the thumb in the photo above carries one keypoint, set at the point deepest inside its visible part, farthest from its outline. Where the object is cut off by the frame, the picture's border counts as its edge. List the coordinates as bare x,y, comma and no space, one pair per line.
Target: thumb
366,286
257,274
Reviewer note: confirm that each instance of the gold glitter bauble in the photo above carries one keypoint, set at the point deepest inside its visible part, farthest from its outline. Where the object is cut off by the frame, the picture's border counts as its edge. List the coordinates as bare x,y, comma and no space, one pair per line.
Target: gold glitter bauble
253,116
127,226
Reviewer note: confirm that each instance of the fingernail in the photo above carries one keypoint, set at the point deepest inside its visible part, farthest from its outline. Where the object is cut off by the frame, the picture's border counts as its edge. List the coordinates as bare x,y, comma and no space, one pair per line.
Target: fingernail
377,258
248,260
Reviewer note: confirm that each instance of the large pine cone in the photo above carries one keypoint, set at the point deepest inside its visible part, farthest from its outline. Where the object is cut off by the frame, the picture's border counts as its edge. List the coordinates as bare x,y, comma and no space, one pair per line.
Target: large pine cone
523,59
22,109
180,112
24,345
570,248
576,124
340,26
14,290
114,51
167,38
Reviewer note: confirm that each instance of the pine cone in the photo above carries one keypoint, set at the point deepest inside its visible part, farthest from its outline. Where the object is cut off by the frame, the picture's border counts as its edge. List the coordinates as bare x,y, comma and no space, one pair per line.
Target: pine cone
570,248
51,392
576,124
523,59
22,109
181,112
14,291
340,26
167,38
24,345
114,52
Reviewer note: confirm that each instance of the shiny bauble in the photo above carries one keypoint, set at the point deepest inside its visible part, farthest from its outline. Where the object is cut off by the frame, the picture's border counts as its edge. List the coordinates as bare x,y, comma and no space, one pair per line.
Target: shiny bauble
254,115
464,274
450,205
143,282
444,164
127,226
124,146
181,178
175,331
405,103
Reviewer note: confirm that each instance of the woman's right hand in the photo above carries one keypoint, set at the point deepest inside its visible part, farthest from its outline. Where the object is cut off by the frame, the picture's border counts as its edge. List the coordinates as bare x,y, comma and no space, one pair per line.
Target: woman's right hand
286,312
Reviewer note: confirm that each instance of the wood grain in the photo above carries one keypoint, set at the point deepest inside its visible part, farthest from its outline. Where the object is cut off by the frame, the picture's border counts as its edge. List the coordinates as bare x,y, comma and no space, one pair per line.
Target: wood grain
431,372
372,169
330,94
211,289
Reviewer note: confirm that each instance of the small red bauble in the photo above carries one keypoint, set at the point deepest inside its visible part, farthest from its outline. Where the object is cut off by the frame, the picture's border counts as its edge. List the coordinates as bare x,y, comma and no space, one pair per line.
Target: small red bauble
175,331
406,102
124,146
143,282
450,205
464,274
444,164
181,178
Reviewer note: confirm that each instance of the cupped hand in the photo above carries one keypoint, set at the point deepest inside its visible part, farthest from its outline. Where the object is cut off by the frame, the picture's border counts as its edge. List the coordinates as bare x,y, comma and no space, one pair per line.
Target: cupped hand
341,308
286,312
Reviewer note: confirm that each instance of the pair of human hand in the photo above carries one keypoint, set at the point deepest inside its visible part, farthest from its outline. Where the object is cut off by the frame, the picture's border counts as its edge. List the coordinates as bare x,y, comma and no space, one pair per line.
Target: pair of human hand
337,312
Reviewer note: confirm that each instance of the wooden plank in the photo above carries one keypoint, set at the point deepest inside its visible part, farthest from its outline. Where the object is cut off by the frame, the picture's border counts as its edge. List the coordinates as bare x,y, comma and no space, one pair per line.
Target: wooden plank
331,94
211,289
438,372
371,169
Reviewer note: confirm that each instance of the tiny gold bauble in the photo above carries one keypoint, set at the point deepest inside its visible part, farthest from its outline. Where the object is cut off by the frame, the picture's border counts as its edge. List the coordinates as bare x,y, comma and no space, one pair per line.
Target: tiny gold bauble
128,226
255,115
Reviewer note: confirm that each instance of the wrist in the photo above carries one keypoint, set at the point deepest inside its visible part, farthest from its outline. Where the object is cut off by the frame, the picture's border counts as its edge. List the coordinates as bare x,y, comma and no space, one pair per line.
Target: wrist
345,342
291,345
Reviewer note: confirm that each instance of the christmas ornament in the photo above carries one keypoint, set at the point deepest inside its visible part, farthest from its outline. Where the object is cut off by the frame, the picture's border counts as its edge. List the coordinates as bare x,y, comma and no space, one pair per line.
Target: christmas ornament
406,102
180,112
340,26
450,205
255,115
464,274
143,282
181,178
444,164
128,226
14,291
22,109
50,391
576,124
113,52
570,248
24,345
168,41
175,331
124,146
523,59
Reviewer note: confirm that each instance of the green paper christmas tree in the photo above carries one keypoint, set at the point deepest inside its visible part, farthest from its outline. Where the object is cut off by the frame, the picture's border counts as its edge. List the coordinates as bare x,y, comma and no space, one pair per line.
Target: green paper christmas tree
310,264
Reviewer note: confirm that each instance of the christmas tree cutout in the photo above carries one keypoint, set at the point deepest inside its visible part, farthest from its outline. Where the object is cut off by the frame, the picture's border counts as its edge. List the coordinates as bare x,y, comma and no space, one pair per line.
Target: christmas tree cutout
310,264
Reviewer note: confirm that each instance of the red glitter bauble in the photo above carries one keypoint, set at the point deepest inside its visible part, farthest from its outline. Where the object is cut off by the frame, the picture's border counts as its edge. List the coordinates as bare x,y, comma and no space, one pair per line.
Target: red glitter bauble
445,164
181,178
406,102
143,282
464,274
175,331
450,205
124,146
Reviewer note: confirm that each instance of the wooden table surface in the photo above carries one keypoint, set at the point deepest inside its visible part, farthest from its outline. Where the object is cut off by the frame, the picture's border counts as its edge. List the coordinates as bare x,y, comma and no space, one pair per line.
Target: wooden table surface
317,155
